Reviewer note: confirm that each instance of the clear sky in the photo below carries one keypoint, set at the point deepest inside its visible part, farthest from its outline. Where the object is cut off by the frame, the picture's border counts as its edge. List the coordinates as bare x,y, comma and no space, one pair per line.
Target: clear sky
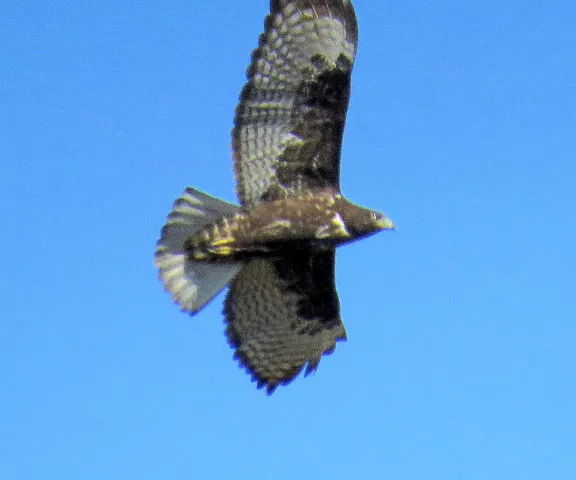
460,362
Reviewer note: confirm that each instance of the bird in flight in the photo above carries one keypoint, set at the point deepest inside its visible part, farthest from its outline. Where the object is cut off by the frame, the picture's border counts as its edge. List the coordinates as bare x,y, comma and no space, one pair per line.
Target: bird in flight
276,250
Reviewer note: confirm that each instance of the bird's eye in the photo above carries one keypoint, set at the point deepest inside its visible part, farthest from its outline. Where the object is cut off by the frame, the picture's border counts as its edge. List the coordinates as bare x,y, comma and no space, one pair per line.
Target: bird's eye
376,216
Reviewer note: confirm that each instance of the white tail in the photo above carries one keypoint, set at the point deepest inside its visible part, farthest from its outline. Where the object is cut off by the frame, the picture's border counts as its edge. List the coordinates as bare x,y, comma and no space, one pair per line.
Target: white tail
192,283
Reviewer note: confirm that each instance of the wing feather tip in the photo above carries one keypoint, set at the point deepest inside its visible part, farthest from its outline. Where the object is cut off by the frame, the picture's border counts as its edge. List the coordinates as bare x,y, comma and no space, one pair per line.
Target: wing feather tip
271,382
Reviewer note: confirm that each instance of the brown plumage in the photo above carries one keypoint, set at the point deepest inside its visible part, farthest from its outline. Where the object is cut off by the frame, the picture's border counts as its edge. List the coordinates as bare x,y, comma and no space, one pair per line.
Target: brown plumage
277,249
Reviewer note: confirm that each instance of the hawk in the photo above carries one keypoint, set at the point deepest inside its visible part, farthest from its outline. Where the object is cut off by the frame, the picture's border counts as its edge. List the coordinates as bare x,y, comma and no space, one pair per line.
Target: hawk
276,250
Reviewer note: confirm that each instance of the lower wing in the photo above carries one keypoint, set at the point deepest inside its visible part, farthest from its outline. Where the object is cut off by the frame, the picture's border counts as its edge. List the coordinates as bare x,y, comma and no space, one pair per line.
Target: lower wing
284,314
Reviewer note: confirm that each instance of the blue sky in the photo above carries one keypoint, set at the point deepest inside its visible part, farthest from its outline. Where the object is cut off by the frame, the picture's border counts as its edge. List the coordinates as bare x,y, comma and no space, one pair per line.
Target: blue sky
460,361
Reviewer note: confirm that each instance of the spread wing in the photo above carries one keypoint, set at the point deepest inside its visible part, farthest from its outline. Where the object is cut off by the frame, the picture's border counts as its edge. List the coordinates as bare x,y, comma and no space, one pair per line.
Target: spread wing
283,314
290,120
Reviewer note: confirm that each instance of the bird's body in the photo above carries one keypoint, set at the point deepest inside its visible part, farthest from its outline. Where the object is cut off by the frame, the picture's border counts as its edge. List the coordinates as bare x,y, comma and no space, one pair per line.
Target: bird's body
276,251
317,223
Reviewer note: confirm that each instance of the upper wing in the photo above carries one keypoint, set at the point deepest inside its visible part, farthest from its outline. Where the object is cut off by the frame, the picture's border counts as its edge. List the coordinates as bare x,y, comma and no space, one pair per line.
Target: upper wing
290,120
283,313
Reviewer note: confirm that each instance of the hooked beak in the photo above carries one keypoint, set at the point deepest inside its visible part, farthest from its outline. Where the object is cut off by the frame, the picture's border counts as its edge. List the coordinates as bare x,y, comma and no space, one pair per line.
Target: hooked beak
385,223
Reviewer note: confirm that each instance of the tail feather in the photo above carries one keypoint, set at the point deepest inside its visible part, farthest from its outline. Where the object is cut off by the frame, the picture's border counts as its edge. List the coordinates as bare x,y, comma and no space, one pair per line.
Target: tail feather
192,283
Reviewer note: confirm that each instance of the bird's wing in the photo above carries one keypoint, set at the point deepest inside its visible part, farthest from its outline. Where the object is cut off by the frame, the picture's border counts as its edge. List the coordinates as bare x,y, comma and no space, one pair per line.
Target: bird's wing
283,314
290,120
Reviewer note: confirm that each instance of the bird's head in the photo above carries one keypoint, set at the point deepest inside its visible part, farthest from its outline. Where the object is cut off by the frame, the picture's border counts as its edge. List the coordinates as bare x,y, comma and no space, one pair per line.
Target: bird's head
362,222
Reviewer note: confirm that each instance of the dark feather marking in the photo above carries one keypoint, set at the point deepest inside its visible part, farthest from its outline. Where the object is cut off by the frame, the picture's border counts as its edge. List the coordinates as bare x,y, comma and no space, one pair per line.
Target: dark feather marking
322,104
312,279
